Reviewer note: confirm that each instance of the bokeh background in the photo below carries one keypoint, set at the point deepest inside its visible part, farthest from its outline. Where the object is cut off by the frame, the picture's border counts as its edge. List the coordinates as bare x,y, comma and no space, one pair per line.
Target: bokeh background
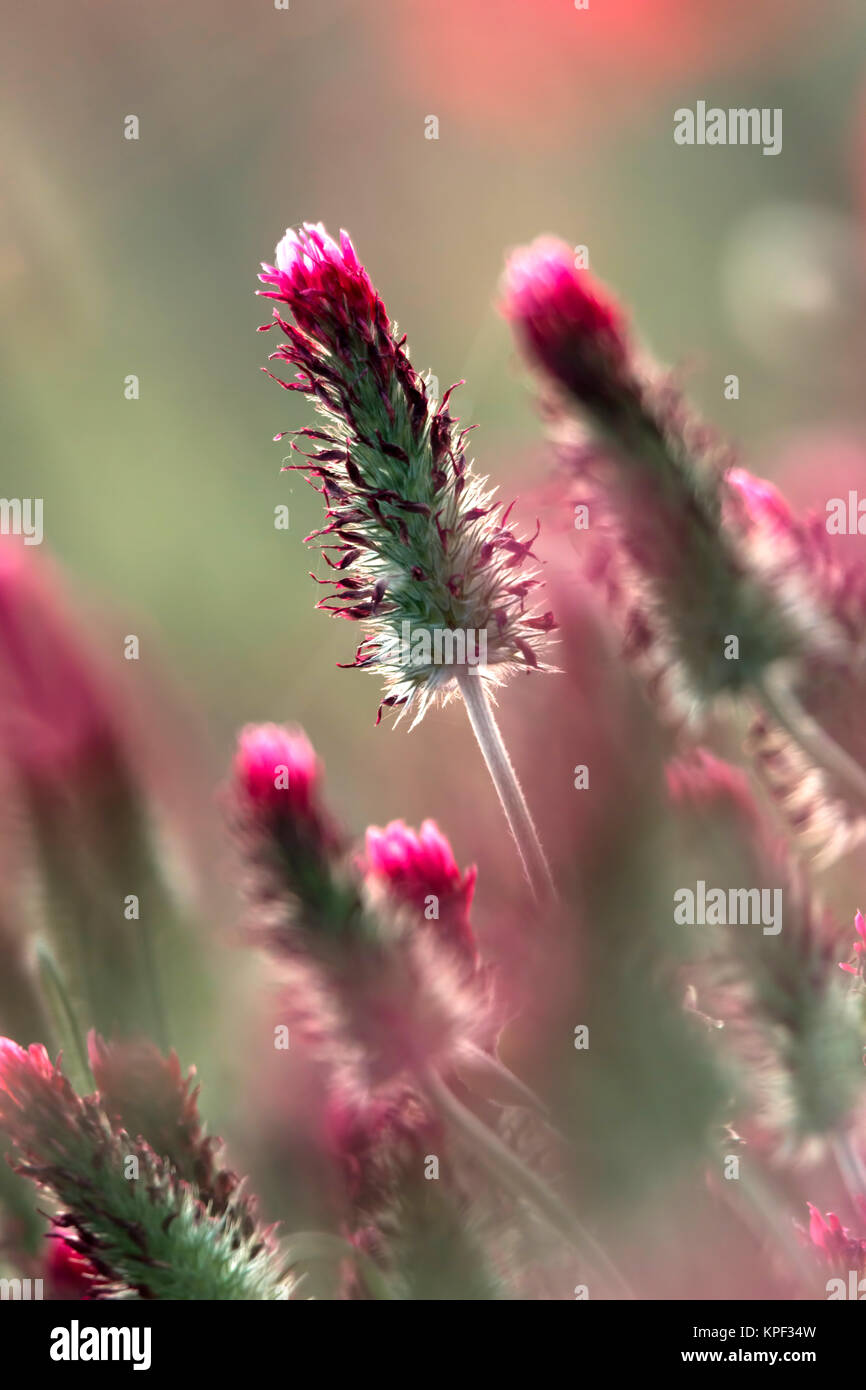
123,257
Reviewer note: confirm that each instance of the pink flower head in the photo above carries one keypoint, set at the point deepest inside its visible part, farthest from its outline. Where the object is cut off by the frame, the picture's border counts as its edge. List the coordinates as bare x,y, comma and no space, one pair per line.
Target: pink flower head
327,289
565,322
835,1241
416,542
375,1139
277,768
23,1070
701,781
68,1272
859,947
419,869
762,501
55,714
36,1100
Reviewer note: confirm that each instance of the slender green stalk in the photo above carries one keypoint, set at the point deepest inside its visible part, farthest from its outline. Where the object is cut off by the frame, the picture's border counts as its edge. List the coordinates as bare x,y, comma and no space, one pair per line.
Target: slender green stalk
66,1024
851,1171
305,1247
782,704
508,1169
761,1211
504,778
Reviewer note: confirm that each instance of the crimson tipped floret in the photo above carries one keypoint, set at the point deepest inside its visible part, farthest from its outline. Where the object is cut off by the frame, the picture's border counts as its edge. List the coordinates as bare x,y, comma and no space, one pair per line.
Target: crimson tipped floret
566,323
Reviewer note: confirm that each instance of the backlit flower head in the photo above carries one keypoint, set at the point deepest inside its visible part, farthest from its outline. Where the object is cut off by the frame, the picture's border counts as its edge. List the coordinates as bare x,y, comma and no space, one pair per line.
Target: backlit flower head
662,500
566,323
369,990
421,552
419,869
279,773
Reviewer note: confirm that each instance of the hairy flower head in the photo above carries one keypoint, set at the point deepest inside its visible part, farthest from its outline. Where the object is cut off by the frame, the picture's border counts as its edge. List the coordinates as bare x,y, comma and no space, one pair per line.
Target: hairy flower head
418,868
421,553
566,322
370,990
838,1247
142,1226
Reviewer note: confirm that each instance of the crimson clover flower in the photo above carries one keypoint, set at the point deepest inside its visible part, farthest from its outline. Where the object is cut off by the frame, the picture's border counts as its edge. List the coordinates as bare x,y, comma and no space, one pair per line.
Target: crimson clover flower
837,1245
142,1226
373,993
418,868
422,555
660,481
859,948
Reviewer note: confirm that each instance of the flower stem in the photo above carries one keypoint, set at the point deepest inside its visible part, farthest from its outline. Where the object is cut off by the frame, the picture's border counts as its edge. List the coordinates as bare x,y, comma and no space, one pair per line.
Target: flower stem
504,1165
851,1172
504,778
65,1020
784,707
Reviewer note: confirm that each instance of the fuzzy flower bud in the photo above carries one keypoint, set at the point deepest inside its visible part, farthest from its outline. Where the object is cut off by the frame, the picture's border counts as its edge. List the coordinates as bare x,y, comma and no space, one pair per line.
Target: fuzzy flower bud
418,868
278,773
566,323
420,552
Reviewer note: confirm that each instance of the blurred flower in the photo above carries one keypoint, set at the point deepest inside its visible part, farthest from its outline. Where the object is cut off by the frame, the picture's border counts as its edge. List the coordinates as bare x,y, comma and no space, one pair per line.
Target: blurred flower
564,320
826,587
426,1235
419,869
859,947
57,719
271,761
836,1243
69,1274
424,557
154,1235
147,1095
278,775
372,993
681,582
291,847
787,1022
